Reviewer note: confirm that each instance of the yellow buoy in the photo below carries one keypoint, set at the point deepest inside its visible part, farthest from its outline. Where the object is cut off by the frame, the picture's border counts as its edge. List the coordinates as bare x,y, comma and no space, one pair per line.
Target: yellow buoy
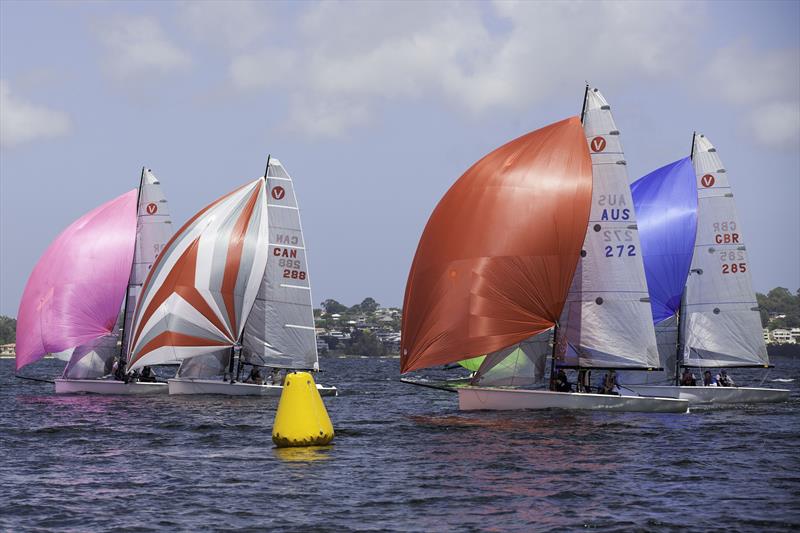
301,419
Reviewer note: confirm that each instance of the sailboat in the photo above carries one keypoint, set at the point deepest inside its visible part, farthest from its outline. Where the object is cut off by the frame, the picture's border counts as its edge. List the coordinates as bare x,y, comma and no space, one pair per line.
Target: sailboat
231,290
715,316
506,257
72,301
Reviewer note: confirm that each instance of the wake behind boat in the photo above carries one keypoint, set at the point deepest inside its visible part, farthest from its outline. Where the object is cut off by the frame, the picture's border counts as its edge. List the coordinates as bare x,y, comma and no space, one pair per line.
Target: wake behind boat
231,292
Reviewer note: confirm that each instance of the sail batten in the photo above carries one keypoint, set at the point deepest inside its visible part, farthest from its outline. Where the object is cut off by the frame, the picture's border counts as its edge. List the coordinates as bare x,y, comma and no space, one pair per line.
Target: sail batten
153,230
496,258
280,327
721,324
606,321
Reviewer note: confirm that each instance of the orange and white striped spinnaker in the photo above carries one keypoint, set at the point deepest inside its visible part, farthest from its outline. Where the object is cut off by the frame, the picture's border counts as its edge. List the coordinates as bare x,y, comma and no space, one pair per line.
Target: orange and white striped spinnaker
201,288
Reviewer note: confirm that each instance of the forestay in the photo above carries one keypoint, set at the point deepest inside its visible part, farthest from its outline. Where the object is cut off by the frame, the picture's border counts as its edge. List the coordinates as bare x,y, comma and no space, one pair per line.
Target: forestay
279,331
202,286
606,321
75,292
721,321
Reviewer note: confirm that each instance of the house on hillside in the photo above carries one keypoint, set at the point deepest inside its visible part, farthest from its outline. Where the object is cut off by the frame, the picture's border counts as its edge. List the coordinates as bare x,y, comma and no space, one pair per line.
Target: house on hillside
782,336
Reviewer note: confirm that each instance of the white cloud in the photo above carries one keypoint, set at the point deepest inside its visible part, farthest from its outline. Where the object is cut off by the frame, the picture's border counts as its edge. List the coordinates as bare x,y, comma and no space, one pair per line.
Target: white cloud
765,84
325,118
517,56
138,45
21,121
267,68
233,25
777,124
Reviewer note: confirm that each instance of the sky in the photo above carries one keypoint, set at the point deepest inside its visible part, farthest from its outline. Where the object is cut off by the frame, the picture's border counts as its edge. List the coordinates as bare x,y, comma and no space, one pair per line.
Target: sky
375,109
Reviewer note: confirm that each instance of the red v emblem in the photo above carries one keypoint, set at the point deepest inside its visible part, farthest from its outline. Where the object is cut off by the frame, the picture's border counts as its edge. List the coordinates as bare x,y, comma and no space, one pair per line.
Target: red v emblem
598,144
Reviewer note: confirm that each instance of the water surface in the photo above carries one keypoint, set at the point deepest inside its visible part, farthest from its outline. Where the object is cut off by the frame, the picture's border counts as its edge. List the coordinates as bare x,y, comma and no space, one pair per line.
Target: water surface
404,459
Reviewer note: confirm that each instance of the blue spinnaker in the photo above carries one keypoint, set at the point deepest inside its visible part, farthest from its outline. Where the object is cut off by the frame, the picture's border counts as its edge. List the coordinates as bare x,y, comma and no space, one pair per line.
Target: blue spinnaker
666,209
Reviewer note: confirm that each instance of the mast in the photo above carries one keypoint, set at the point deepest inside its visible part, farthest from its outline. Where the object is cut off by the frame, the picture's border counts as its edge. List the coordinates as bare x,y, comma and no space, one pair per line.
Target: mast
553,356
122,358
585,96
679,348
240,340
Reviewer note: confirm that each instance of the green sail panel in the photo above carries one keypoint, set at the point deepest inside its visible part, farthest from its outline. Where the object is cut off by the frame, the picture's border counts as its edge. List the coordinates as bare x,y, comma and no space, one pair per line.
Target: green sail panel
473,363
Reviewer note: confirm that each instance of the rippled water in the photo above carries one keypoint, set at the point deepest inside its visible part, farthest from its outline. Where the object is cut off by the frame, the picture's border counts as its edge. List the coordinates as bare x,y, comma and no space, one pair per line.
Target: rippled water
404,458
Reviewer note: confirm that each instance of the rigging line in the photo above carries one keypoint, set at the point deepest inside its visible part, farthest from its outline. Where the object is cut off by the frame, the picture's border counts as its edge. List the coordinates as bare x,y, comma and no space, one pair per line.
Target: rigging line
33,379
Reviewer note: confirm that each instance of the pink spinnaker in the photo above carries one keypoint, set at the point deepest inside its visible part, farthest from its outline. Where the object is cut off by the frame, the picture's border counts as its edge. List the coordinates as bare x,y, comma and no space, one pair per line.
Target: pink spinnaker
75,292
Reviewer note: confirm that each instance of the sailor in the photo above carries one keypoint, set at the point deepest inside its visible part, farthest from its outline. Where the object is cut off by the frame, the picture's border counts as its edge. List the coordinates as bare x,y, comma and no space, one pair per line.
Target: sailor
708,379
724,380
562,384
687,379
147,375
274,377
610,383
119,370
584,380
255,376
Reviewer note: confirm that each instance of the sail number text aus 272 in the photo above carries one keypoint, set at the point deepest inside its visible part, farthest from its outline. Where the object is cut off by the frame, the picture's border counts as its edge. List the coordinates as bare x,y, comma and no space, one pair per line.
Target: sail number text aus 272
621,236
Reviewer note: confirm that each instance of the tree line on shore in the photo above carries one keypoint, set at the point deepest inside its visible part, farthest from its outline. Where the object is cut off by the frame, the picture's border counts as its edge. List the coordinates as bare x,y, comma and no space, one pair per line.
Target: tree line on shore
779,309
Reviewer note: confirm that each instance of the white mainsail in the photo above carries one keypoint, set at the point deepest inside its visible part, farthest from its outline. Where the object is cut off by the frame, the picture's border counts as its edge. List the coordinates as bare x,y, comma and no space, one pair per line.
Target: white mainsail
202,286
153,229
720,320
607,321
279,331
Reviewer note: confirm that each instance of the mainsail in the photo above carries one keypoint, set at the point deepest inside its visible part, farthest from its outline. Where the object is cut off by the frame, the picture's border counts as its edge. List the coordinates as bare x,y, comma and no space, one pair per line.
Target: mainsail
496,258
153,230
279,331
201,287
721,324
666,209
75,292
95,359
606,321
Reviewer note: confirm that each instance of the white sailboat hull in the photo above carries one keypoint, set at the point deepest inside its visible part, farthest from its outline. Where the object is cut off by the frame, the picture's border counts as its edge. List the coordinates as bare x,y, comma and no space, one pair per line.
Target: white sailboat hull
493,399
714,395
216,386
108,386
